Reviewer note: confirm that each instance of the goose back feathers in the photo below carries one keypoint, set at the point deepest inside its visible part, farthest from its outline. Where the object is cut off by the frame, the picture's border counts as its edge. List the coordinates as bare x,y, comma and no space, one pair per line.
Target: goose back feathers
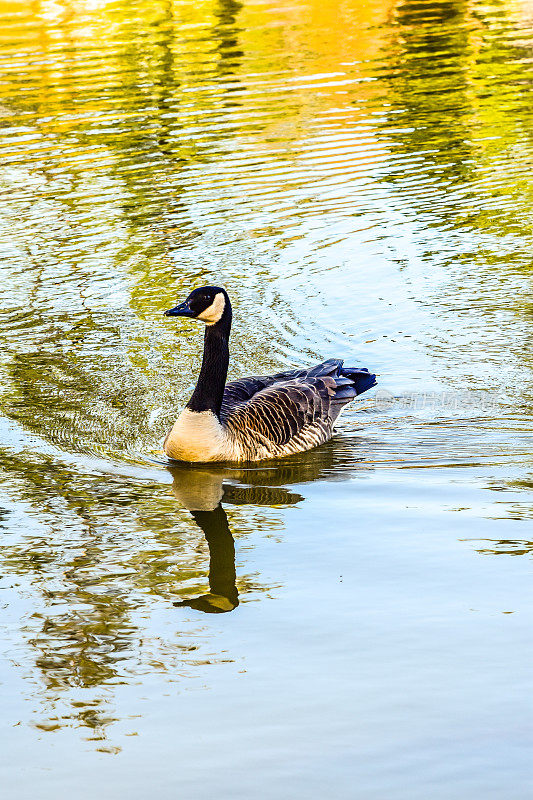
278,415
256,418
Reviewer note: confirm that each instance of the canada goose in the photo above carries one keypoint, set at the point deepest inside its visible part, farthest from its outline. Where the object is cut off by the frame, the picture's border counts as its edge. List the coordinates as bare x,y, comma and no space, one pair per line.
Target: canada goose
252,419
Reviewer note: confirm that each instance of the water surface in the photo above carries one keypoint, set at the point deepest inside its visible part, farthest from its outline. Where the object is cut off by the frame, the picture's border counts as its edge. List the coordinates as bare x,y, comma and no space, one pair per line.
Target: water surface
354,621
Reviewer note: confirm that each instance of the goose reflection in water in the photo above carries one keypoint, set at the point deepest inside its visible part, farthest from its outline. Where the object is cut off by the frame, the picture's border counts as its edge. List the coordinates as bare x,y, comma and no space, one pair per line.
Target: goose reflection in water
204,490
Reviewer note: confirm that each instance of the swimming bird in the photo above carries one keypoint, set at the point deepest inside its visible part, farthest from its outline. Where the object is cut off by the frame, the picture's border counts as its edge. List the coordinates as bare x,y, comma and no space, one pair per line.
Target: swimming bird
256,418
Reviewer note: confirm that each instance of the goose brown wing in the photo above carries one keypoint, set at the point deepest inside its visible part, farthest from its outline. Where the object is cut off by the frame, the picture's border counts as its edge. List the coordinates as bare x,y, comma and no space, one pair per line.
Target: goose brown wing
245,388
279,412
239,391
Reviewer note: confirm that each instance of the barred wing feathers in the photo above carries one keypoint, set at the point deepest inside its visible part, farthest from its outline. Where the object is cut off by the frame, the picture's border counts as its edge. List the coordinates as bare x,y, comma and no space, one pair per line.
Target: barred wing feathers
286,417
245,388
290,411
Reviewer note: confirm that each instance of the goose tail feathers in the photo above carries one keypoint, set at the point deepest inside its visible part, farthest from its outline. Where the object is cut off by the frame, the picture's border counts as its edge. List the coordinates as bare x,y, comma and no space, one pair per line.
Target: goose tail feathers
361,379
349,382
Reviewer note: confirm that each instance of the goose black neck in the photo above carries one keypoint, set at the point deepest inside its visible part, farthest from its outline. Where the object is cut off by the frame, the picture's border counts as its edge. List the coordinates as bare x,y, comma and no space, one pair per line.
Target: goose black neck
209,390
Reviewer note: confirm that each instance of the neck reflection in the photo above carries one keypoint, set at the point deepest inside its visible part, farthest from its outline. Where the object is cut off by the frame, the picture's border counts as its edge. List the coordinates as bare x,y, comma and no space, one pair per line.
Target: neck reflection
223,594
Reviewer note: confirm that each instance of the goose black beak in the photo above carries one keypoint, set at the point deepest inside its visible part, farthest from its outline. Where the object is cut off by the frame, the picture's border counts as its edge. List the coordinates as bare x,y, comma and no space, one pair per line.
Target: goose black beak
183,310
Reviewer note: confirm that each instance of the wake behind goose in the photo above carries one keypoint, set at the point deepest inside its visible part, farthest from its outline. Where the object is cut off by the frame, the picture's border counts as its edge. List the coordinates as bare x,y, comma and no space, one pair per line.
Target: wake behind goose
255,418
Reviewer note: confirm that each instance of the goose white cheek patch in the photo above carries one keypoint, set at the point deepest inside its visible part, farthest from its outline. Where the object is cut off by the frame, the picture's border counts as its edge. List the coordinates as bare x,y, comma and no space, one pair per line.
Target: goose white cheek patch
213,312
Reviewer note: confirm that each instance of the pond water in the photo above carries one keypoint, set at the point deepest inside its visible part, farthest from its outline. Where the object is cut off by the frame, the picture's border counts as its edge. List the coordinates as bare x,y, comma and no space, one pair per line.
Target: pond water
357,175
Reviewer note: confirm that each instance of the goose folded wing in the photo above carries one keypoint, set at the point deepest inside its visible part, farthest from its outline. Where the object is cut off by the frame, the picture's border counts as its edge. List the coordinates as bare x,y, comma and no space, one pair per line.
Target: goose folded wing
281,411
241,390
245,388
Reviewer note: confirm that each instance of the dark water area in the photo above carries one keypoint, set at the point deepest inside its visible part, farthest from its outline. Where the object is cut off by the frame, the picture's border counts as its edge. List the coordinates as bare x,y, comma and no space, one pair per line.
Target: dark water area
354,621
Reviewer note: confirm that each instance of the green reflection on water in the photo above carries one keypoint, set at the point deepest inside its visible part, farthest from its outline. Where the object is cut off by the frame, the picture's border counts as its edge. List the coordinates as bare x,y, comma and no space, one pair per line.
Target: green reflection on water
462,112
117,544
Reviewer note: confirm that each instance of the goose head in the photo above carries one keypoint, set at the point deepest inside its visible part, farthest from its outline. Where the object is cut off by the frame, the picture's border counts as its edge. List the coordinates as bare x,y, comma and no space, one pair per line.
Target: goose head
209,304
